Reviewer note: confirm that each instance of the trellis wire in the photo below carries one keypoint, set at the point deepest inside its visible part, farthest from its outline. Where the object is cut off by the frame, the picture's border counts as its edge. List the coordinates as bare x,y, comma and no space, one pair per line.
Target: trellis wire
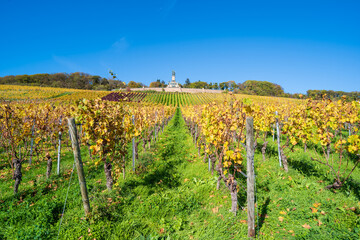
67,193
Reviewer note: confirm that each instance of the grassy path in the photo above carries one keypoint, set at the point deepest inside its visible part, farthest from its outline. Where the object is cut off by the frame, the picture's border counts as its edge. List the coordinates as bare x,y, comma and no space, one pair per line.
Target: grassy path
174,198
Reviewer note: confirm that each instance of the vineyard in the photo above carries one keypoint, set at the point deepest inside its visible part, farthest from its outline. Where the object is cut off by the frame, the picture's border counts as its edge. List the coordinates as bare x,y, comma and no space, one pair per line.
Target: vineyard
27,93
187,99
16,93
175,166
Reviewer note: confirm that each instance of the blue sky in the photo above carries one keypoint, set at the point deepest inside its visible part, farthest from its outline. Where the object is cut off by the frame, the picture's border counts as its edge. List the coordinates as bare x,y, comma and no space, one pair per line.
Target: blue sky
299,45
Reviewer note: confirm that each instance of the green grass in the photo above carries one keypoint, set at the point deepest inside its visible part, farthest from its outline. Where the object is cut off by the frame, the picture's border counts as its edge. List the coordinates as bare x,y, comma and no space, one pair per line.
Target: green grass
173,196
300,199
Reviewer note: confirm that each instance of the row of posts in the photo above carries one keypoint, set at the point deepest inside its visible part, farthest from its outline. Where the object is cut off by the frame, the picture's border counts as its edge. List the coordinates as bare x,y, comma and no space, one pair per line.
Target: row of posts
59,144
78,162
133,142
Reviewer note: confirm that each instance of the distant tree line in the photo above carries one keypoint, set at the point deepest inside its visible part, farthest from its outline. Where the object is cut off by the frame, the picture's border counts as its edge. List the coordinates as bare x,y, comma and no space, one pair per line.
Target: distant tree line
319,94
264,88
76,80
133,84
158,84
80,80
248,87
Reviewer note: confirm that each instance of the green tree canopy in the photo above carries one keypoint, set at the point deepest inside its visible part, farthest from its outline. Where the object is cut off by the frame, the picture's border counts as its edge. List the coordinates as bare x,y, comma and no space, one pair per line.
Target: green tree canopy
262,88
157,84
199,84
133,84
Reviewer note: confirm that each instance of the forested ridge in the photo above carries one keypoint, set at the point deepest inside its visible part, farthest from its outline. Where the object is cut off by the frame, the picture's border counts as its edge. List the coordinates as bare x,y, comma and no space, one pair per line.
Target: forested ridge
80,80
77,80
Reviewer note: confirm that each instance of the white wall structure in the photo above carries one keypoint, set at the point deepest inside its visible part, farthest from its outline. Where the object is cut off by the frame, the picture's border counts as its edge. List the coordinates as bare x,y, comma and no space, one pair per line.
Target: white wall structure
173,83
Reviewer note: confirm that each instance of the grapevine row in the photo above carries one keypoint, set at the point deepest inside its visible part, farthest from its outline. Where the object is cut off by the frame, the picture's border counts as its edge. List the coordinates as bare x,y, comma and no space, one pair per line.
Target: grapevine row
106,128
329,128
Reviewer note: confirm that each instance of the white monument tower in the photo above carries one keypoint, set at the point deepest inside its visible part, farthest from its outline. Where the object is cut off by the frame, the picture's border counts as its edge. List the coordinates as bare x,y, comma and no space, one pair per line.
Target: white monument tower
173,83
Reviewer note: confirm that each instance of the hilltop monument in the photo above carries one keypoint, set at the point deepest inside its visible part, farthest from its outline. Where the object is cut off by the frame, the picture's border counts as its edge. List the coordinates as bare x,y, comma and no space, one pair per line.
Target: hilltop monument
173,83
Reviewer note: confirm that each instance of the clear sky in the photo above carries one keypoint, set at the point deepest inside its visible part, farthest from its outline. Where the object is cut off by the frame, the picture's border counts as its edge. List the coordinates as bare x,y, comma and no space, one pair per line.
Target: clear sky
299,45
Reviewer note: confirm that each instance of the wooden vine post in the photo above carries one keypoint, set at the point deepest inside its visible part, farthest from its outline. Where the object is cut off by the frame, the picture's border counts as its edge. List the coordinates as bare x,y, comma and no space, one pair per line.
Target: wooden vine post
59,150
196,129
278,137
155,127
209,164
79,164
32,142
133,146
250,176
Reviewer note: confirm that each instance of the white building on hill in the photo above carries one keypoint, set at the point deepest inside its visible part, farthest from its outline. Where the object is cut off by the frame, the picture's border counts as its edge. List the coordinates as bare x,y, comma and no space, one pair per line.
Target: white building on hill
173,83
